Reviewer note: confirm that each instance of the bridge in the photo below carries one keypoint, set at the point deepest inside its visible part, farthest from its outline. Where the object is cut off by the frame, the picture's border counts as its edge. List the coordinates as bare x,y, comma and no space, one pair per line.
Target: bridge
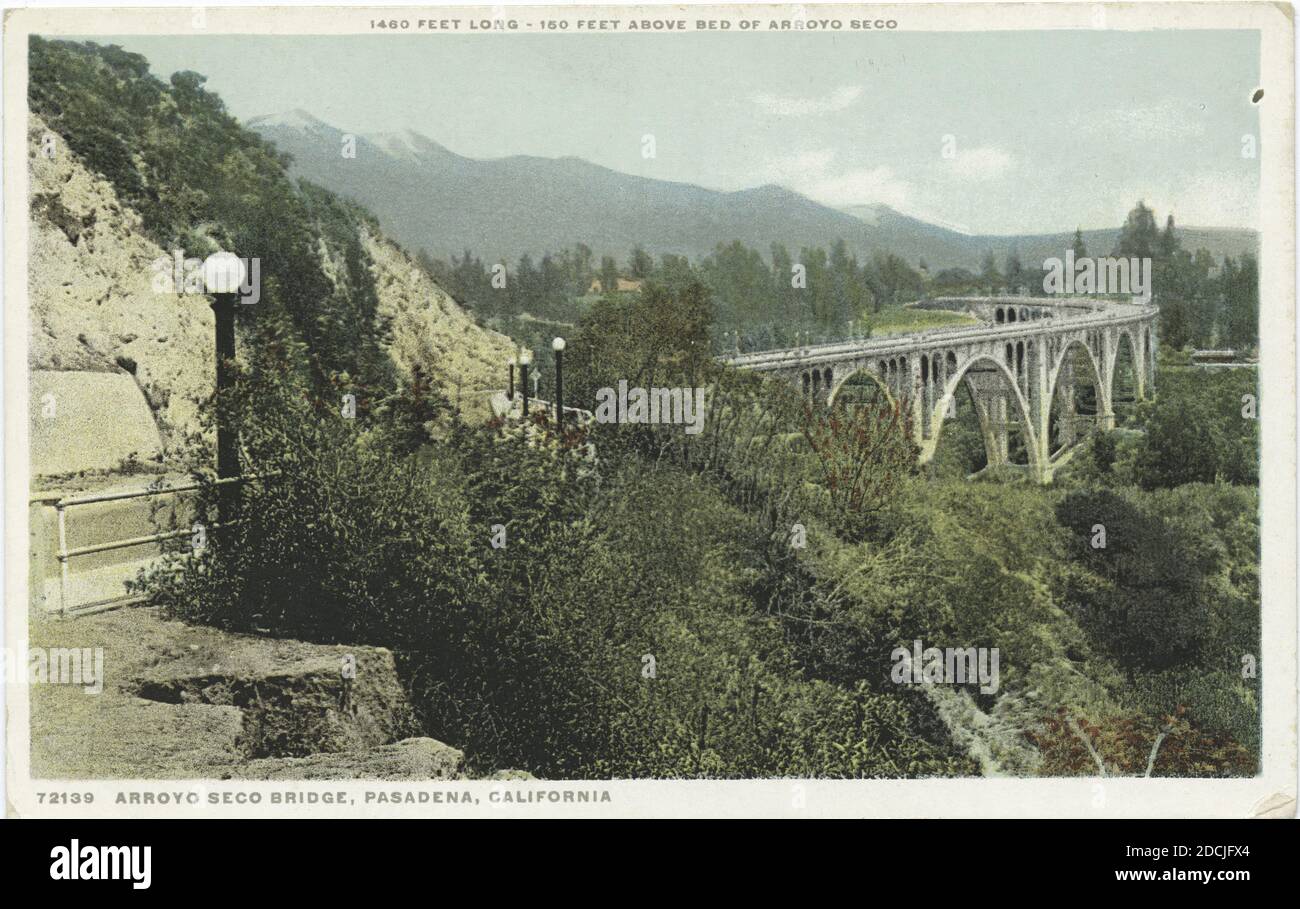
1024,354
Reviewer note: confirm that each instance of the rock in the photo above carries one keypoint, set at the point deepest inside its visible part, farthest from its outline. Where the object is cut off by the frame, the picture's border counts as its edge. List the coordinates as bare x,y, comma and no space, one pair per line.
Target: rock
409,759
90,300
92,275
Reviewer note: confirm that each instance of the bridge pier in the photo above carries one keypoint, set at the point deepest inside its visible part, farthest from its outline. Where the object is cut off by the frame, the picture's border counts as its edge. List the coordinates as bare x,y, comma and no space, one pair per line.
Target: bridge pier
1066,428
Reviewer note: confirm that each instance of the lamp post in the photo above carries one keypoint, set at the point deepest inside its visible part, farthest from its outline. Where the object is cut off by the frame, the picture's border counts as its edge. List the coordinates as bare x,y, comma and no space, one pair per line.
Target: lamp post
223,273
510,389
557,345
525,360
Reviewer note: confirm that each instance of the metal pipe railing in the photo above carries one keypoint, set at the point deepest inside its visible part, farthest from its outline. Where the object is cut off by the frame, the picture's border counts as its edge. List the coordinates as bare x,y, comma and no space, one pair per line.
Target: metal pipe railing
64,555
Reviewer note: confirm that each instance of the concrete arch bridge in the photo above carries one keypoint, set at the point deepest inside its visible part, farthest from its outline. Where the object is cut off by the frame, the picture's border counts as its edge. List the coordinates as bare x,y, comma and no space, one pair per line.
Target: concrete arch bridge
1025,353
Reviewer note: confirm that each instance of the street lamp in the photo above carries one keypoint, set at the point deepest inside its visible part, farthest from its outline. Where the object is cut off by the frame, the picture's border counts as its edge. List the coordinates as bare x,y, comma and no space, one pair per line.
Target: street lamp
223,273
557,345
525,360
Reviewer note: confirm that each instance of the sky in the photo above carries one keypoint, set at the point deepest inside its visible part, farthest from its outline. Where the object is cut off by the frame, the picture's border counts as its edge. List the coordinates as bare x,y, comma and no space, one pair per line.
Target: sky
984,132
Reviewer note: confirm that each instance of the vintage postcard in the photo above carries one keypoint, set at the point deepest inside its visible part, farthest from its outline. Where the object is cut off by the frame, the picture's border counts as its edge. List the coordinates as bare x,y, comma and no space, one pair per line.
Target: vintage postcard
645,411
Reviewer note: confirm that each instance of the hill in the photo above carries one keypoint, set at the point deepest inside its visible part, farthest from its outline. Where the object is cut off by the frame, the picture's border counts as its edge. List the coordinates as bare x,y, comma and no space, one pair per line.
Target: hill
942,247
431,198
137,170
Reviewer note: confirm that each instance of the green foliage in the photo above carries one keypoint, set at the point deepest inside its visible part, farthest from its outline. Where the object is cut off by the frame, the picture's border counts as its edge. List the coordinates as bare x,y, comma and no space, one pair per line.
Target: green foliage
656,338
863,453
200,182
647,615
1174,602
1143,597
960,451
532,655
1139,237
1197,307
1196,431
755,303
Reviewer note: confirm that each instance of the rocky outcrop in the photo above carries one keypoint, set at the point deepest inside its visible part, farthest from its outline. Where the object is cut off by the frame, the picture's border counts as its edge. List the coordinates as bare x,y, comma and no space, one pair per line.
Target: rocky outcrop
96,305
409,759
178,701
432,331
91,295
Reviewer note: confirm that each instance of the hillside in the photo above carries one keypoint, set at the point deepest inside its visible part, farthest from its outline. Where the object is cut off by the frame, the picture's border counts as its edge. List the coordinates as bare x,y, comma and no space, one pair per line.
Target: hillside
944,248
141,170
92,305
431,198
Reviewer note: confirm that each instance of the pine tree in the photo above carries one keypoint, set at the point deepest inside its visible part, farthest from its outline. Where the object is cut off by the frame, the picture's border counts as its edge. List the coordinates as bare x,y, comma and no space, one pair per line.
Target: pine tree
1169,242
1139,237
608,274
1080,249
641,263
989,277
1014,272
1241,302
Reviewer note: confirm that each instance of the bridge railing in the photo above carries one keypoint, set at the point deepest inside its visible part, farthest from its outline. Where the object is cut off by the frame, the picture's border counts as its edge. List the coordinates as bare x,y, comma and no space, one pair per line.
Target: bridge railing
1113,314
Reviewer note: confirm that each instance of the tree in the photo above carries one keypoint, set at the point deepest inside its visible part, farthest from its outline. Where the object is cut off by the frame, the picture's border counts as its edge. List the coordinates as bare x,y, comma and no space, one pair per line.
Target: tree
989,277
783,283
1169,243
863,453
1196,432
1179,448
641,263
1139,237
889,279
658,337
1080,249
1015,272
1241,301
608,274
1151,607
526,289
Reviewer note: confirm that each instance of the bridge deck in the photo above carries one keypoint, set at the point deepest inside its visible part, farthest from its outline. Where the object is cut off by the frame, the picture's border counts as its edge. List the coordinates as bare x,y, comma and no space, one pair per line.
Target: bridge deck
1078,312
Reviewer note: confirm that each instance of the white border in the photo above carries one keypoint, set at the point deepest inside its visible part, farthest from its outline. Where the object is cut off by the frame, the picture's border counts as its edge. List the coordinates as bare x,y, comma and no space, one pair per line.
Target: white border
1275,787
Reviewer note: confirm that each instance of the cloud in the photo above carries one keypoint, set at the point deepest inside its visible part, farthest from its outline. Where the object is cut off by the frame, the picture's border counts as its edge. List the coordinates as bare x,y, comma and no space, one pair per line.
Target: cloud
860,186
985,162
791,106
792,170
811,173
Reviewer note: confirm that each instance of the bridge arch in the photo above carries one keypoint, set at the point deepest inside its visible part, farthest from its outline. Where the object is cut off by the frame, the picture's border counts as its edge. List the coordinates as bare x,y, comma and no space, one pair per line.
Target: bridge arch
847,376
1075,362
1124,366
1008,386
1094,368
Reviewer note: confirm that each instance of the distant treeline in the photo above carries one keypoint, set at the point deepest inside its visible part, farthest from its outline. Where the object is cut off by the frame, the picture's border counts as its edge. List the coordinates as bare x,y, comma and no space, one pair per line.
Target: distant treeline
825,294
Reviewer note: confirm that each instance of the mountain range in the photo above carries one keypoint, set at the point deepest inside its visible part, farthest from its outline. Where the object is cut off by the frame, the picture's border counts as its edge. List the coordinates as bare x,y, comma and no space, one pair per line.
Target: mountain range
428,197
